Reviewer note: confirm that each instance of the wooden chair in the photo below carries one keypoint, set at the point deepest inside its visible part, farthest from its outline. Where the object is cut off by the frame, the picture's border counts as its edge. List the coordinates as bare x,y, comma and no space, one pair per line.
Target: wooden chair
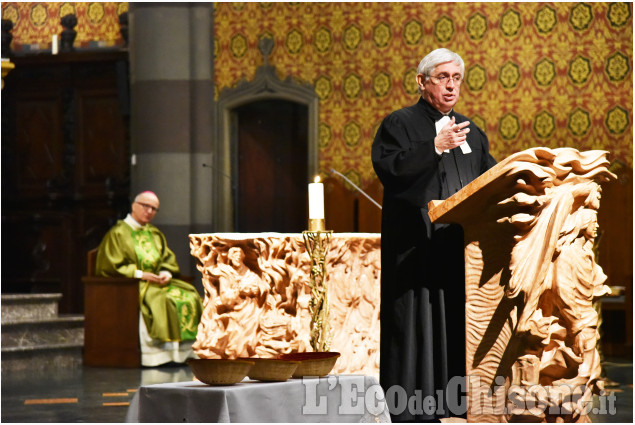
111,325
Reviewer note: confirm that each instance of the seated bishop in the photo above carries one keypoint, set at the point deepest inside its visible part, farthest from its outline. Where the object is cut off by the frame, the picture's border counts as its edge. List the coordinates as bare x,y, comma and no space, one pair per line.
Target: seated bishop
170,308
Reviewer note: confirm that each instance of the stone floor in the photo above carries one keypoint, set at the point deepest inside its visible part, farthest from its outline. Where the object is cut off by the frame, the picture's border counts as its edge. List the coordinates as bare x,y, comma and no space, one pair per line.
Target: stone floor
102,394
620,371
87,395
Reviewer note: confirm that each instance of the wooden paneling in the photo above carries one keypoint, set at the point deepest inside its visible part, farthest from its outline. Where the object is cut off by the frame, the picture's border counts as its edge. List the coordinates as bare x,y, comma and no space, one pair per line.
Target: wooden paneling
101,128
615,255
369,213
615,251
39,141
339,206
111,326
65,168
347,210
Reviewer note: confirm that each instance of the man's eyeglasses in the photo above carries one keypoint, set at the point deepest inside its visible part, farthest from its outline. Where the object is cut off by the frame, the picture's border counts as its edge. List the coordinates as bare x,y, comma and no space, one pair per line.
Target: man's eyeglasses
148,207
442,79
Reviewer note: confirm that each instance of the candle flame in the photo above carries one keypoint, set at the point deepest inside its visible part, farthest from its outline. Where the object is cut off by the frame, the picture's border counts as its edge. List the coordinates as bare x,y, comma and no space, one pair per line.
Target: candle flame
316,179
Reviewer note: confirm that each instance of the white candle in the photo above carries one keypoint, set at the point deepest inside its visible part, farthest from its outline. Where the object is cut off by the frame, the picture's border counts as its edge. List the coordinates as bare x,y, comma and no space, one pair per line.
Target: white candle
316,199
54,46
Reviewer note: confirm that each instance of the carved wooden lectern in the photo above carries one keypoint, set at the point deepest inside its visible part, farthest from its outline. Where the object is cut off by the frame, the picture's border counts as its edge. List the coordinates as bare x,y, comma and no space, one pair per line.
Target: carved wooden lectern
530,278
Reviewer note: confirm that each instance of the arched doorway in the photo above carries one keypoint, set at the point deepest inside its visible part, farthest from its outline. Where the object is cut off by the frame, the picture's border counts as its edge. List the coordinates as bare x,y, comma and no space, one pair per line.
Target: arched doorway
285,107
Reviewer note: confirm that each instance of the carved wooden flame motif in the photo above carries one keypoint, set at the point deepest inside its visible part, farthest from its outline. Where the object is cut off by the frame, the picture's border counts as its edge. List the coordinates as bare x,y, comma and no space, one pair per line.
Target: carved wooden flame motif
257,297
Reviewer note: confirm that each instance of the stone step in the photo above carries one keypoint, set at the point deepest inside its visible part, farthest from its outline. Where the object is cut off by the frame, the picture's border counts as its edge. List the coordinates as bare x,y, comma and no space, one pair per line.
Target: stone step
41,359
53,332
17,307
35,338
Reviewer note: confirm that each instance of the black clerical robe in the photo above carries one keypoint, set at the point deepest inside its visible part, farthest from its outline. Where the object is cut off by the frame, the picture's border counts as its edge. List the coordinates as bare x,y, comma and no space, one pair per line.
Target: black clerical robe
422,280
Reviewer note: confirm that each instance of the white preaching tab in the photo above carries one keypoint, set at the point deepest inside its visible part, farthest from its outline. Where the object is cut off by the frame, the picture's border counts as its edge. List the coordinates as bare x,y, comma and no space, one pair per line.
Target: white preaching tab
466,148
439,125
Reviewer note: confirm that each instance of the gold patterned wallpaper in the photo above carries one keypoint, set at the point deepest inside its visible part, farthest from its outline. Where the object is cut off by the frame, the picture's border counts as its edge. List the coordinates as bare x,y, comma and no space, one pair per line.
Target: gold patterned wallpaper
537,74
35,23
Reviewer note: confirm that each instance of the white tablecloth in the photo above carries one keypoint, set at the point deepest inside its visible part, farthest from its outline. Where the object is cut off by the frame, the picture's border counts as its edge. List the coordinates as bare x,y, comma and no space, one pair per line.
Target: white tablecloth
342,398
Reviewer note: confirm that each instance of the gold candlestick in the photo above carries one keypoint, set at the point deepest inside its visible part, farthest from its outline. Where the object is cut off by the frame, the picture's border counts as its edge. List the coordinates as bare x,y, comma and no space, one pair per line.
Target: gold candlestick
316,225
316,241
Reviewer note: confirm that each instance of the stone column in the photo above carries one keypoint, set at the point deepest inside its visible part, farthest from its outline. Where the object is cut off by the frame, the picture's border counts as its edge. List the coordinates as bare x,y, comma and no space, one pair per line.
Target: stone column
172,100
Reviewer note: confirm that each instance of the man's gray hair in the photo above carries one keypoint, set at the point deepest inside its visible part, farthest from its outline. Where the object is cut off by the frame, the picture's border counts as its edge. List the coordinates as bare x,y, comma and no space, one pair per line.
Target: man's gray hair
436,58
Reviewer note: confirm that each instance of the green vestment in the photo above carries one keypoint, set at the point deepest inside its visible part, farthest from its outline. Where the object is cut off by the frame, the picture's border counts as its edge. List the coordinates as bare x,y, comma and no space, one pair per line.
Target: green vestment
171,312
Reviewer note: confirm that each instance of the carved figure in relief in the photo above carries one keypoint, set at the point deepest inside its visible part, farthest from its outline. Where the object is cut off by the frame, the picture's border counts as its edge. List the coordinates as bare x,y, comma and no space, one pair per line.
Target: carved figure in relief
241,297
285,315
554,267
252,307
356,309
577,280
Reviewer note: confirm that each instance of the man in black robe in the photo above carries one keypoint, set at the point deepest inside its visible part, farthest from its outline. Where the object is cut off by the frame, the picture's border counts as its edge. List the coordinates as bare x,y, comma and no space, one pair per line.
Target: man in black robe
421,153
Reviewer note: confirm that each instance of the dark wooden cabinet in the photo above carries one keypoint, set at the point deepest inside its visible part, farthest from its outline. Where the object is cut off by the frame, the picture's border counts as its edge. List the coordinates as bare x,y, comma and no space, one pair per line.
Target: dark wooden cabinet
65,167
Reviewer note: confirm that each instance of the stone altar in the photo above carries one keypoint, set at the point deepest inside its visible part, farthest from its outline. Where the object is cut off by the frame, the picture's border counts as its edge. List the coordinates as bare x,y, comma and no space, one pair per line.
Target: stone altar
530,279
257,296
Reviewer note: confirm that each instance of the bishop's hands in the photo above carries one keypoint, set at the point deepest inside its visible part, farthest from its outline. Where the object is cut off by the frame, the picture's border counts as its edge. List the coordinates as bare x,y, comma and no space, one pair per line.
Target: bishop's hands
161,279
451,135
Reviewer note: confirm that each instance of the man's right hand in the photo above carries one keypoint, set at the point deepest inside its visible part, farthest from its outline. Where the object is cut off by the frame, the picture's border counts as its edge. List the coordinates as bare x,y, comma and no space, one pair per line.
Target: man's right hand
451,135
155,278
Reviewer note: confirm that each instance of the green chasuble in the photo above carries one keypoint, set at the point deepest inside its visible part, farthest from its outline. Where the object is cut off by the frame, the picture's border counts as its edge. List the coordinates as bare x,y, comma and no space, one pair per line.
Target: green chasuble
171,312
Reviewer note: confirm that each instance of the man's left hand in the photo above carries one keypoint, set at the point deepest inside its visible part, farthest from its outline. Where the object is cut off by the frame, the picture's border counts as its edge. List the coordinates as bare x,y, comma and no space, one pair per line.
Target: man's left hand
164,277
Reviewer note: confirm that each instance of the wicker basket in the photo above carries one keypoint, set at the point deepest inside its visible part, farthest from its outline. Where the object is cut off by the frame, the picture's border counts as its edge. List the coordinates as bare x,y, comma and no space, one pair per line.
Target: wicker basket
272,369
220,371
312,363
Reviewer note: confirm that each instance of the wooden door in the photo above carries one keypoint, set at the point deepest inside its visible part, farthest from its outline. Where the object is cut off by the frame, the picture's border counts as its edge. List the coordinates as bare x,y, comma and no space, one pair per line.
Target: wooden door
65,167
271,174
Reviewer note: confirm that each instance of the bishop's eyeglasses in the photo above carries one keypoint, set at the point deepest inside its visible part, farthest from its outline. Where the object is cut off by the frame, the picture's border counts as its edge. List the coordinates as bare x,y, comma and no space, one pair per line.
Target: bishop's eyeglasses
442,79
148,207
